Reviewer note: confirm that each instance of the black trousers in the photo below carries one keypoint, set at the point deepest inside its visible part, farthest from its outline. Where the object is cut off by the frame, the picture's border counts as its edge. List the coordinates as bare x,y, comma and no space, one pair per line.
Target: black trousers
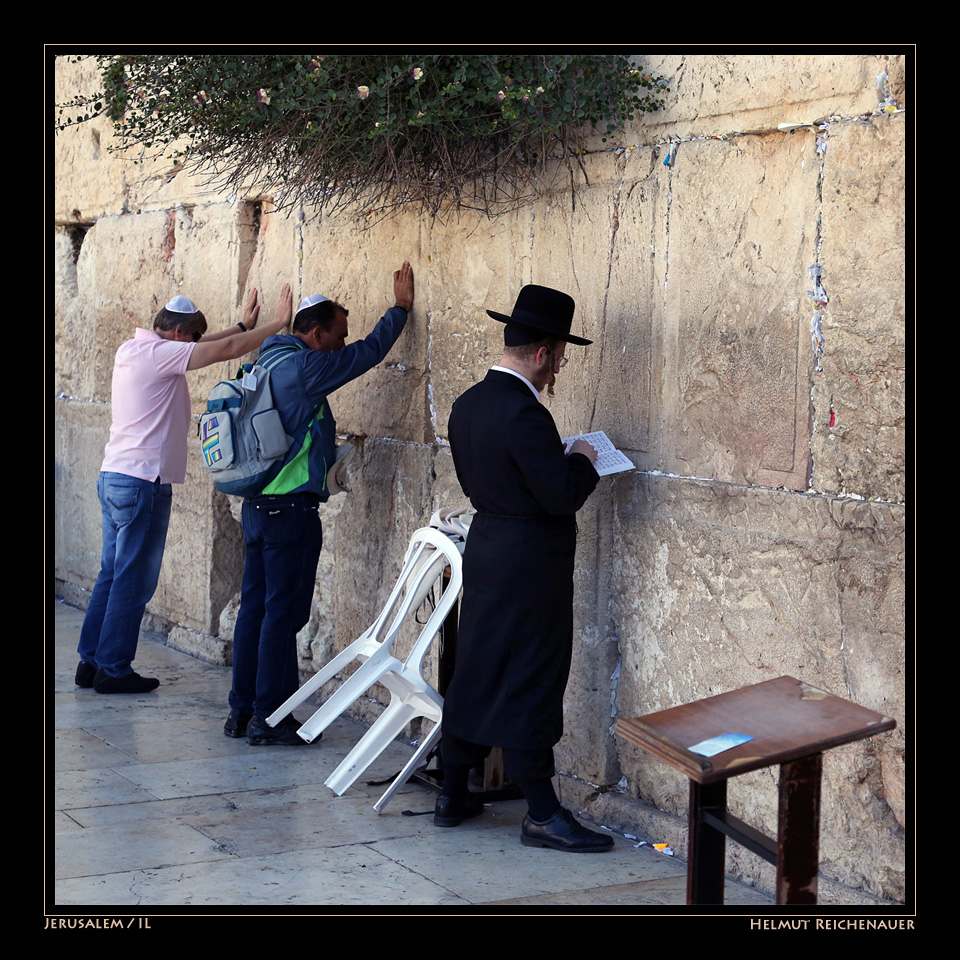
520,765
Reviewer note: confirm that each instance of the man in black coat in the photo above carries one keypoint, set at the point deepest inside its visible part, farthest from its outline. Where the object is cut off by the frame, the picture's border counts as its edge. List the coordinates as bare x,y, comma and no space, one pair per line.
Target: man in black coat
516,618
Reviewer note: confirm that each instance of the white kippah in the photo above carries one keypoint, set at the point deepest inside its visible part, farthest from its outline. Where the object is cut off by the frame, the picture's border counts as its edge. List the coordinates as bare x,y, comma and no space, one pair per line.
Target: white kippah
181,304
311,301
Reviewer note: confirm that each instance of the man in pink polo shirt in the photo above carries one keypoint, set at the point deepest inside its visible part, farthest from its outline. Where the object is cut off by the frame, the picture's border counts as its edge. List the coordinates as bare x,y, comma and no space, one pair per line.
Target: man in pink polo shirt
146,453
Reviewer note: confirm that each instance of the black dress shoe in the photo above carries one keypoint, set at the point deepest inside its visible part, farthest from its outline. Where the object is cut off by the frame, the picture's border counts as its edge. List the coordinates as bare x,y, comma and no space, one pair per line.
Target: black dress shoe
284,734
236,725
563,832
448,811
131,683
85,674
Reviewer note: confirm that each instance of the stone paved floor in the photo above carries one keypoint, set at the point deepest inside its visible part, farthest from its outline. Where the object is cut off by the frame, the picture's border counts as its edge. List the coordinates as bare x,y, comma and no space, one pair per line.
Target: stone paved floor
154,807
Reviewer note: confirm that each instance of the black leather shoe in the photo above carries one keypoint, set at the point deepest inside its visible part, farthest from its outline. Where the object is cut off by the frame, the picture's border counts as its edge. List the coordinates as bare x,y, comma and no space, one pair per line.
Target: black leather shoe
563,832
284,734
449,812
236,725
131,683
85,674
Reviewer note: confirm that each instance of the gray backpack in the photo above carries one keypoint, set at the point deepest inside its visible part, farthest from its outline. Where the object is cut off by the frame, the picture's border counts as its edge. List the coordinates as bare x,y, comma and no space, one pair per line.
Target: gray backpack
241,435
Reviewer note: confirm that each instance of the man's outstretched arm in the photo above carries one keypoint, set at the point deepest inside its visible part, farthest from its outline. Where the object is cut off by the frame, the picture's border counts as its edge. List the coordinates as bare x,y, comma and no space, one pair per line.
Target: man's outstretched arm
236,343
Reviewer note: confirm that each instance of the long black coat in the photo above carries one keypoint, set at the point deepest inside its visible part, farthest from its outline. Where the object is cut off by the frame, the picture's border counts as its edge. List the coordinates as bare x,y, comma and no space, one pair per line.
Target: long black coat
516,617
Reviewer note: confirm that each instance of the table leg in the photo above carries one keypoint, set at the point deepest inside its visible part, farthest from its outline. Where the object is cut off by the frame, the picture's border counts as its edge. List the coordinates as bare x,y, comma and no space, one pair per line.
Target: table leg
798,831
707,845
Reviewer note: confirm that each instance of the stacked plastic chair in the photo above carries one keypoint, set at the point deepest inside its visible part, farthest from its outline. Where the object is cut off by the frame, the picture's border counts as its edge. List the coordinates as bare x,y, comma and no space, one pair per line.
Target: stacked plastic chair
428,556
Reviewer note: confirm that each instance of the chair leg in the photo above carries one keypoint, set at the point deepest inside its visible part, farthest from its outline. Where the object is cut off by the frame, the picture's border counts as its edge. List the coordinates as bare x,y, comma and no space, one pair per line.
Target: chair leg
364,677
328,672
427,743
384,731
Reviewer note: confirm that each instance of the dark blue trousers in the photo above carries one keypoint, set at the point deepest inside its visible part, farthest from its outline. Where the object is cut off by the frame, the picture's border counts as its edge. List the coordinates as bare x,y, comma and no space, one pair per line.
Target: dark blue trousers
283,538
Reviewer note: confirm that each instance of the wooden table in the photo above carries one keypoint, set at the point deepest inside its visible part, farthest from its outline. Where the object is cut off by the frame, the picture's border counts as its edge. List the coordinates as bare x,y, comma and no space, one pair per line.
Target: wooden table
791,724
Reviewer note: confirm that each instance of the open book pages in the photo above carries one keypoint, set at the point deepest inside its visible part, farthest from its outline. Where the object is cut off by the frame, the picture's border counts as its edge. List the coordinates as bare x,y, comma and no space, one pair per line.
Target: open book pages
609,458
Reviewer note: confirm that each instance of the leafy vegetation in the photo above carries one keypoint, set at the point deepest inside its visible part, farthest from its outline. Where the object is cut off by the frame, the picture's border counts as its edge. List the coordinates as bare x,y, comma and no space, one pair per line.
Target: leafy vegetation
374,132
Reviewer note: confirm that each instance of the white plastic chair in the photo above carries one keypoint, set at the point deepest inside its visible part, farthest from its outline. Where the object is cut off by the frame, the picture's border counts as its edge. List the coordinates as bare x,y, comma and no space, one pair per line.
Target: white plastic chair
429,554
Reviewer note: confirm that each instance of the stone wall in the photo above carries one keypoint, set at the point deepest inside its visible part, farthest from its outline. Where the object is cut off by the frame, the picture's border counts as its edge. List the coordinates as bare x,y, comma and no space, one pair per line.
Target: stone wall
763,532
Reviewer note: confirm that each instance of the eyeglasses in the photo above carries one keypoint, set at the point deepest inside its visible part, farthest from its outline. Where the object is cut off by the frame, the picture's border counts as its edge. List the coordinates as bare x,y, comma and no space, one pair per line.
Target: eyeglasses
561,363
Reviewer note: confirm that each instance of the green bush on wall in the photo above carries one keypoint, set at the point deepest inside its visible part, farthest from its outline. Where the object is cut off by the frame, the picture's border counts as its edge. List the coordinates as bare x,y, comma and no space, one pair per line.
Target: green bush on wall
374,132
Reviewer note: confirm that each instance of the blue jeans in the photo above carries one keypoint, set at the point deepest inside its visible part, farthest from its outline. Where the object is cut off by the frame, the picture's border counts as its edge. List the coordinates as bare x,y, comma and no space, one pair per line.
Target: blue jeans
136,514
283,537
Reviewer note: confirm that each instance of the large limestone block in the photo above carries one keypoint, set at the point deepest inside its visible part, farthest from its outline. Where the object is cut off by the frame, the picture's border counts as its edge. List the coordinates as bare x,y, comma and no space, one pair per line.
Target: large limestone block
217,249
158,181
89,182
724,94
603,249
471,265
554,243
736,386
354,265
446,493
128,268
122,280
100,174
267,246
391,498
625,366
695,303
213,247
80,432
860,396
734,583
316,641
75,336
224,252
732,586
588,750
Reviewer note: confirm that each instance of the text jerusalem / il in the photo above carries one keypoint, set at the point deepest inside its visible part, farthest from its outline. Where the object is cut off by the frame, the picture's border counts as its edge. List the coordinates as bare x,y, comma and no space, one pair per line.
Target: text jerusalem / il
137,923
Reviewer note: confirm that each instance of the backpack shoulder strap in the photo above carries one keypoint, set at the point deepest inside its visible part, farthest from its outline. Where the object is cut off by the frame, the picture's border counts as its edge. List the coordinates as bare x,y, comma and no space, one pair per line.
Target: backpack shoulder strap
269,359
276,355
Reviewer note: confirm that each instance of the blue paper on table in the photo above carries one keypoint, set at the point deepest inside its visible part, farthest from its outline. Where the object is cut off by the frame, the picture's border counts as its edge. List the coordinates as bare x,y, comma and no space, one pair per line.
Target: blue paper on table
715,745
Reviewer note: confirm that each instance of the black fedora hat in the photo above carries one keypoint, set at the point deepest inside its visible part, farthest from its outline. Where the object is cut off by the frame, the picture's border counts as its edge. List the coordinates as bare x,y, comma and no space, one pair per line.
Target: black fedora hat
543,311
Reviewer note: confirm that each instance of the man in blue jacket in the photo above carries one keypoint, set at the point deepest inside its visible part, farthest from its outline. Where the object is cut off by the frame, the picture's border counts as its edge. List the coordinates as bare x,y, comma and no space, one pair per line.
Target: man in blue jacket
281,527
